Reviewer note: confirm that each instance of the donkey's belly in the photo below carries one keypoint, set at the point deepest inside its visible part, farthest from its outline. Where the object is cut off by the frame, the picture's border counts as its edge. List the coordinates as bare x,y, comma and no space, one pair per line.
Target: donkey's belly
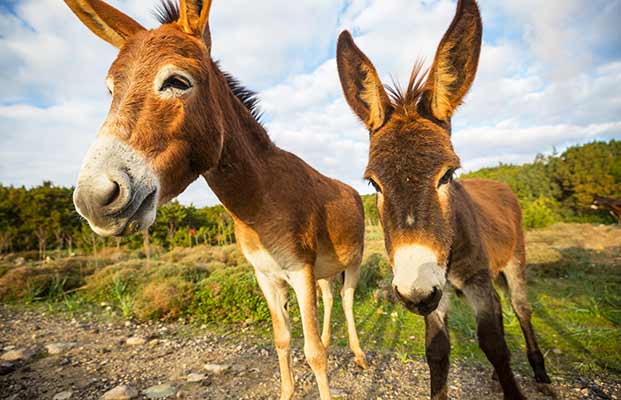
275,266
329,262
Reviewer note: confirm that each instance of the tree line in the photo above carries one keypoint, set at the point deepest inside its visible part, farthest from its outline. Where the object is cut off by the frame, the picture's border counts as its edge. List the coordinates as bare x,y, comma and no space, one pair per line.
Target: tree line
43,218
554,188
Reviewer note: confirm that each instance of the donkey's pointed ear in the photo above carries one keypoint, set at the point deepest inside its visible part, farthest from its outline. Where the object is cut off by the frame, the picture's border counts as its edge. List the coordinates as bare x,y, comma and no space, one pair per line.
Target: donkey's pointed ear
455,63
194,18
362,86
105,21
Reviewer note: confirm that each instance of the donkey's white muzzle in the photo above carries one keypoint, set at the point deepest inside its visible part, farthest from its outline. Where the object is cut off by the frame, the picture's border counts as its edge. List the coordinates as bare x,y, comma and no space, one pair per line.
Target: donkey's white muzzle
116,191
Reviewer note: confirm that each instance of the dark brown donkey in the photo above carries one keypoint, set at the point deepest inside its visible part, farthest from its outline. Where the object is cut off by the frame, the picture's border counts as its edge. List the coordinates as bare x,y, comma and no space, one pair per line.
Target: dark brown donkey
176,116
613,206
468,233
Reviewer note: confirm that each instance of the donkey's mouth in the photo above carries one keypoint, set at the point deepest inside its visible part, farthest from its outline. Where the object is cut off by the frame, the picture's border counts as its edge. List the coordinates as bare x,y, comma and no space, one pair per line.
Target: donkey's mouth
422,308
143,217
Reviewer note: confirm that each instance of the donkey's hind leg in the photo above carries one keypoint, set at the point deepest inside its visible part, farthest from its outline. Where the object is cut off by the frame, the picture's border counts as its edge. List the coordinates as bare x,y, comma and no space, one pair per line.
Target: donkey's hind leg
515,275
326,296
352,274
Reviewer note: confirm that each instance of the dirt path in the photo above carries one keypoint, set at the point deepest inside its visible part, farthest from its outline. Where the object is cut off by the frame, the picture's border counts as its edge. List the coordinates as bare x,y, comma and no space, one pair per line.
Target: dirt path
94,357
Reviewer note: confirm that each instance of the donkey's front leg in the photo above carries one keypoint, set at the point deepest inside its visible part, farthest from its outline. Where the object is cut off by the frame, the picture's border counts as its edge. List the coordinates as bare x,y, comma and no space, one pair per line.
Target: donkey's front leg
276,294
303,283
482,297
438,348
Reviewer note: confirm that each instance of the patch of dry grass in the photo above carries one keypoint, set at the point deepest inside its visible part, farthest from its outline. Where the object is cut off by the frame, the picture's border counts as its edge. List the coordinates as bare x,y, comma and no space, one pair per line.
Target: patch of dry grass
546,246
164,299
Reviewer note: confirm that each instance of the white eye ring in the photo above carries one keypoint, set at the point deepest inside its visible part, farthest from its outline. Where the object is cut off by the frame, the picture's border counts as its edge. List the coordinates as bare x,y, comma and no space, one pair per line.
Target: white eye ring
171,72
110,84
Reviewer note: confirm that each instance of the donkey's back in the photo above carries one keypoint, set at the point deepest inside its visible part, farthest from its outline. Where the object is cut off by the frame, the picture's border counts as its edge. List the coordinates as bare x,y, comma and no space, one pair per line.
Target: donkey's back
499,218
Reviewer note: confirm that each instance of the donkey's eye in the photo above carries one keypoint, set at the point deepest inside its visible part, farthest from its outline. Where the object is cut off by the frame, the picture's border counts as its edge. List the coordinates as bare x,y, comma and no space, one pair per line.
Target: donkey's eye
375,185
447,177
176,82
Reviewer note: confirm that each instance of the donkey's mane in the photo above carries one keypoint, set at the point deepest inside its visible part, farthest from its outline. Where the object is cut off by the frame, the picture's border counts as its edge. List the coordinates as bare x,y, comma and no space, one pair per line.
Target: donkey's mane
248,97
167,12
408,98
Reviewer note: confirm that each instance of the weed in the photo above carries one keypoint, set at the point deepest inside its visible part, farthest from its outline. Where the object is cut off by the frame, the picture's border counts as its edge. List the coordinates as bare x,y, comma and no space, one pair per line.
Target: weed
121,295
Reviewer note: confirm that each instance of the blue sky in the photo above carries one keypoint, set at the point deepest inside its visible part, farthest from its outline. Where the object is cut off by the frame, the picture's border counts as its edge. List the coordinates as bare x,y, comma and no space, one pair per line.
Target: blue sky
549,77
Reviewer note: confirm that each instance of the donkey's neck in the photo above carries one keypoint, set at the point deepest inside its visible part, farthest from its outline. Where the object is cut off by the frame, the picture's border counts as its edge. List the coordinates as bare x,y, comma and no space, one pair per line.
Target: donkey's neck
238,178
467,246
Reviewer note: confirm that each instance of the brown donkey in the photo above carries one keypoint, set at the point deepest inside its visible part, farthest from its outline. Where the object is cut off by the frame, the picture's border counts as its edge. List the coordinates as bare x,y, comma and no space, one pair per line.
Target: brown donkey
436,230
175,116
606,203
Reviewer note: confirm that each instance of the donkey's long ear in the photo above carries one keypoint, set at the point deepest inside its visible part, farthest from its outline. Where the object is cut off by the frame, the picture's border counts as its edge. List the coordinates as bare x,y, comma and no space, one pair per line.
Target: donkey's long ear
194,18
455,63
105,21
362,86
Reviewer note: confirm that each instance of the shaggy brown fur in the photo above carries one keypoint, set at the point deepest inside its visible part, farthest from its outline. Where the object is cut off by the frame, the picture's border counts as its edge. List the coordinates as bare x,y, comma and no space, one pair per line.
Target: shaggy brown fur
473,227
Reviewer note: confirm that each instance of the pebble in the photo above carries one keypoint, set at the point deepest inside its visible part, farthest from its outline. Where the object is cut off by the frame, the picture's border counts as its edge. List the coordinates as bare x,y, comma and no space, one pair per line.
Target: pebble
66,395
136,340
6,368
338,394
194,377
216,369
162,391
18,354
59,348
121,392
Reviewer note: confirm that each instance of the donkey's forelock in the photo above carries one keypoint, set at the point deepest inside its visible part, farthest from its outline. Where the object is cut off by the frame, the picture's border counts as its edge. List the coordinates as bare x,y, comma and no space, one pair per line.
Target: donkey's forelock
407,99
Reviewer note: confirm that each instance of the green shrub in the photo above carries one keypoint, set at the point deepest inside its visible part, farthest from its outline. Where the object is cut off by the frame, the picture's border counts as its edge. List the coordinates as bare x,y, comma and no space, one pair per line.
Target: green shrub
230,294
539,213
105,283
373,270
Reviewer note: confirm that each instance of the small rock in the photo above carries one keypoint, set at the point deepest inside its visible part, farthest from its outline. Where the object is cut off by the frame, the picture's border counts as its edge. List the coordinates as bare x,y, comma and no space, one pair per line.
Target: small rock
58,348
19,261
162,391
63,395
136,340
338,394
216,369
557,351
121,392
196,377
6,368
18,354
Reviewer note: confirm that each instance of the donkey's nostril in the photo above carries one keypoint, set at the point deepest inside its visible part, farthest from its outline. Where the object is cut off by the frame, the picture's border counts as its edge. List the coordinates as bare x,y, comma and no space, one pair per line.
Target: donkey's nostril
113,192
109,193
104,191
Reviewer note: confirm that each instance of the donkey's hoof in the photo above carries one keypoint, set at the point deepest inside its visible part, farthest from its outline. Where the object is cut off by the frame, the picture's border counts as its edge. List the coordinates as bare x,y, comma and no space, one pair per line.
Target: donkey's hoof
361,361
548,389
